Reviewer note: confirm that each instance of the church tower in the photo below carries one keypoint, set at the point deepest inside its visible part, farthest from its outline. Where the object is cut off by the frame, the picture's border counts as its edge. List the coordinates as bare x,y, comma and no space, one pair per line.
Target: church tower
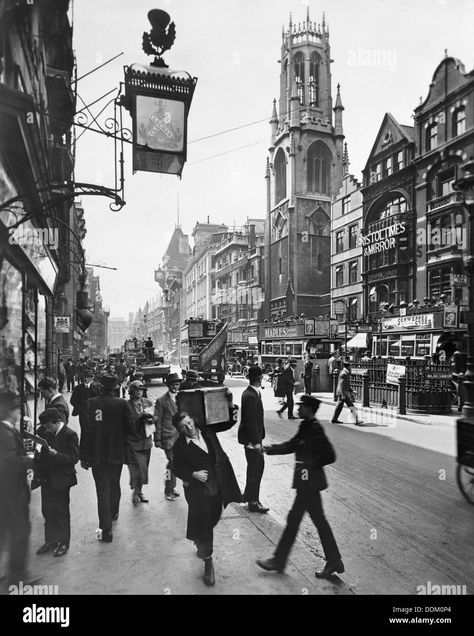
303,173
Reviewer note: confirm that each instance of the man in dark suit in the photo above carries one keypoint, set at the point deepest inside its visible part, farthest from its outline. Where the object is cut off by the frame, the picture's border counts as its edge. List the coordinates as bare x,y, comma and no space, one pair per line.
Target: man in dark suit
14,490
286,386
53,398
70,368
308,375
209,483
313,451
251,434
56,473
84,391
104,449
165,432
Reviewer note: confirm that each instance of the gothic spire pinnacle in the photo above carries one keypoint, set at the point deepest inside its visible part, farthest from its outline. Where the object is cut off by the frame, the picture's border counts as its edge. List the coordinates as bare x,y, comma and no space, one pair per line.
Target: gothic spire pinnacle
274,112
338,104
345,160
307,15
324,21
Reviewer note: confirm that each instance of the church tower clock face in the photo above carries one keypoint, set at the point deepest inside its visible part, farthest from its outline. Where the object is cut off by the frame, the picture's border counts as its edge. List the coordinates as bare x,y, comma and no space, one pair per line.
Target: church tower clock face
304,172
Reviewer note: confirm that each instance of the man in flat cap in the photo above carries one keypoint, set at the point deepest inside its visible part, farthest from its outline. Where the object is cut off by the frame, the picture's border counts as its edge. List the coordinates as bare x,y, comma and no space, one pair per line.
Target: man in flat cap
313,450
14,489
104,448
191,381
56,474
165,432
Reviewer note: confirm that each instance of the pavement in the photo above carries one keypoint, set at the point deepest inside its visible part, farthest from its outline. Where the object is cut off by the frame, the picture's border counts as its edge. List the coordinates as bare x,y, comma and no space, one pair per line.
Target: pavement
398,523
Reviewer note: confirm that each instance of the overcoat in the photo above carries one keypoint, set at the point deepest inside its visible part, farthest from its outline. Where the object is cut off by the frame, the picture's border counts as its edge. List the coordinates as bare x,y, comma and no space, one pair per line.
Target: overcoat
251,429
205,500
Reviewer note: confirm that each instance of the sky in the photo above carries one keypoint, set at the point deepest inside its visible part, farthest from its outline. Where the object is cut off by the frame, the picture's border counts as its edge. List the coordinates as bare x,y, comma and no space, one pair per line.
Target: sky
385,53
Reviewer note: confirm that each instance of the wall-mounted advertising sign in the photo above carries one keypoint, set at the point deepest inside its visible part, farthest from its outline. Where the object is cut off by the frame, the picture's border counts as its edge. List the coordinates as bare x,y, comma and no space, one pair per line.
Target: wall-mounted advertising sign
411,322
382,239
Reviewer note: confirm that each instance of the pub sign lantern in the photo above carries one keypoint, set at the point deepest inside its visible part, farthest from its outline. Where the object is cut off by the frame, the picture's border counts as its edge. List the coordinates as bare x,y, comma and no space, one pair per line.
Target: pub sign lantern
158,100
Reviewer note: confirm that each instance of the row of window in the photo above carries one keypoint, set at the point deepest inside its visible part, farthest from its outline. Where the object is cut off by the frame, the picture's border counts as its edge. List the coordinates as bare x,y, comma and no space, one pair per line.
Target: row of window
353,233
390,165
353,267
313,80
458,127
318,175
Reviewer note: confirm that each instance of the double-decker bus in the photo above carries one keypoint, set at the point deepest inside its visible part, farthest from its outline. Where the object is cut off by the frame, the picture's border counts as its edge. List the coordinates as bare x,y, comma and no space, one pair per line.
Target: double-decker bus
203,344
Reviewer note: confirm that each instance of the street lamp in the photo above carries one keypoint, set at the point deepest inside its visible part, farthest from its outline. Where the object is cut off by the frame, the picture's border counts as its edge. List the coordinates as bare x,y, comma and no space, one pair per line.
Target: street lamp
465,184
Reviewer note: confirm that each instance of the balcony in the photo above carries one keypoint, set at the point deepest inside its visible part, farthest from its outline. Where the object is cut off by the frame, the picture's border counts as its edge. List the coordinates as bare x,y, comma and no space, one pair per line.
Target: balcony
453,198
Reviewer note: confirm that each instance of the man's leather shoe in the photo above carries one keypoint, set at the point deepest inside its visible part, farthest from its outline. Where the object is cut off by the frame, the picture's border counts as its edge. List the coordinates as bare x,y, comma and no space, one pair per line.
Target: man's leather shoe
292,417
46,547
61,550
106,536
270,565
115,517
176,494
331,568
142,498
257,507
279,414
336,422
209,577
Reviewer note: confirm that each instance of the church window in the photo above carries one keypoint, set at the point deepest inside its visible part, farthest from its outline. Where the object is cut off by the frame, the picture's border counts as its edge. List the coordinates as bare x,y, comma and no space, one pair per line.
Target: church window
280,176
319,168
314,79
299,76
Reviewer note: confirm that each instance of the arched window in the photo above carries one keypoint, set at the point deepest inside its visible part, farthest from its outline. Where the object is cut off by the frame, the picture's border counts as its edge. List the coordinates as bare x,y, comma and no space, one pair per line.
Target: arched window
314,79
299,75
459,121
280,176
432,137
319,163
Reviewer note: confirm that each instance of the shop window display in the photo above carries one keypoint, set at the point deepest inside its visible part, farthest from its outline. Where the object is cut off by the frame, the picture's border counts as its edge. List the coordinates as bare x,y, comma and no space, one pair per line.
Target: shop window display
10,327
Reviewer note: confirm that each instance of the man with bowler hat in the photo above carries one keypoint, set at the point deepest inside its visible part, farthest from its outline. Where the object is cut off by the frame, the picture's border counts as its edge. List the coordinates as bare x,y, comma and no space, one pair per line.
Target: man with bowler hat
54,468
251,434
104,449
313,450
84,391
165,432
14,489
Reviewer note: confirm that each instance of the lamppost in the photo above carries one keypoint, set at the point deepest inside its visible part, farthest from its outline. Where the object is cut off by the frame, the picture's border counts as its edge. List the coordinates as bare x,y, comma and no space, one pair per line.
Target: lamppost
465,184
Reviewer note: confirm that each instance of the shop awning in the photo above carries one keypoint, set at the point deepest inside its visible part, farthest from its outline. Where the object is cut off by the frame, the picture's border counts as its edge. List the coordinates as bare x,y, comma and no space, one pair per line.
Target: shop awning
359,341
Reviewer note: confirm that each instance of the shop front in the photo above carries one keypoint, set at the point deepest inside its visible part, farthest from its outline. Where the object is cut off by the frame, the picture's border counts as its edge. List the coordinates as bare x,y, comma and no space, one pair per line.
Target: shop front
28,277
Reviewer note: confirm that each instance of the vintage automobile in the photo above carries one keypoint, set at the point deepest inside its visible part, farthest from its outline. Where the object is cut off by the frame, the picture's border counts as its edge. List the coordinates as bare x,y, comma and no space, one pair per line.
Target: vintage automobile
153,369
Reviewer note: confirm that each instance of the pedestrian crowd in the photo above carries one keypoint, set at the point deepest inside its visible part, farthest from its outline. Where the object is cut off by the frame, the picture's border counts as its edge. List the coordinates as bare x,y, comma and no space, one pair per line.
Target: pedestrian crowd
115,432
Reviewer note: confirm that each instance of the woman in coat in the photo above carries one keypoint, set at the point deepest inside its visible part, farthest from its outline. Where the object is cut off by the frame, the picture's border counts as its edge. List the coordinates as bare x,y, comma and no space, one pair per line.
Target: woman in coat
140,441
209,484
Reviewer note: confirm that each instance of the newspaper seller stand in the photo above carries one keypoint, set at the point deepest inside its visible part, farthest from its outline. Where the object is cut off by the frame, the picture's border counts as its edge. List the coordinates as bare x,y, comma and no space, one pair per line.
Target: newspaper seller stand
209,406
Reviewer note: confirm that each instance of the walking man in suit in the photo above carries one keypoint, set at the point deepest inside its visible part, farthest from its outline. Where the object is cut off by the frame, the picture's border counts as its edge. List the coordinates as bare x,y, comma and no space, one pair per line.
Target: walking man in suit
104,449
345,395
53,398
14,490
165,432
84,391
287,386
313,450
56,473
251,434
308,375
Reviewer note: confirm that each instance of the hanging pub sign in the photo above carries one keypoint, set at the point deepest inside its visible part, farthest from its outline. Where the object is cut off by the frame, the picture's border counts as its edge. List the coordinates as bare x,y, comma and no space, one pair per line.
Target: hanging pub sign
158,100
61,324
